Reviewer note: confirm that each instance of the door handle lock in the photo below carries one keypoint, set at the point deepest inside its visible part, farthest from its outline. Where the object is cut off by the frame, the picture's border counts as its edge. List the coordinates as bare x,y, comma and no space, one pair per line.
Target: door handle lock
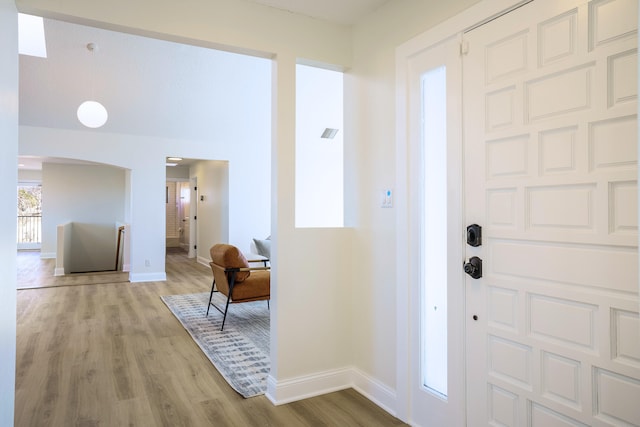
474,267
474,235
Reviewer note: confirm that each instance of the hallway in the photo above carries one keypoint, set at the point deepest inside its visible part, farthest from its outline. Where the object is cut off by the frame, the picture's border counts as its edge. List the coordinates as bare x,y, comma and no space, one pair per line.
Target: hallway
112,354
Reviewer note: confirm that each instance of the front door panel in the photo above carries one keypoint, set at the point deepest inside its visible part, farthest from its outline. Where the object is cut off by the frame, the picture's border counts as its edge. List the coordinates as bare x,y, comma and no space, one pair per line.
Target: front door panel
550,133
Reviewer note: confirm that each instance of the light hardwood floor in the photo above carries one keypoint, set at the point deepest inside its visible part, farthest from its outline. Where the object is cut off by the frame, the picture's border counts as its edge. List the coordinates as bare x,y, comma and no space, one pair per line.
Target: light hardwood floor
35,272
111,354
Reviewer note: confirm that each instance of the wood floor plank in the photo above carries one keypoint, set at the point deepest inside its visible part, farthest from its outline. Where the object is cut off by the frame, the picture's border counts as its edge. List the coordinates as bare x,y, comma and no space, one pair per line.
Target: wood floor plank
133,413
112,354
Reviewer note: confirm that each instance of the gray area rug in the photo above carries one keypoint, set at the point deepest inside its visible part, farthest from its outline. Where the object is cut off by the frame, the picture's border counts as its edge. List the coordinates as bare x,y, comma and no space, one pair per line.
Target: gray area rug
240,352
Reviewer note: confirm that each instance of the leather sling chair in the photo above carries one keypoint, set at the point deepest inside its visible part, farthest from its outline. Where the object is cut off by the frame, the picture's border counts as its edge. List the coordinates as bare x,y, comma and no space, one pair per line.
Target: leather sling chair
234,278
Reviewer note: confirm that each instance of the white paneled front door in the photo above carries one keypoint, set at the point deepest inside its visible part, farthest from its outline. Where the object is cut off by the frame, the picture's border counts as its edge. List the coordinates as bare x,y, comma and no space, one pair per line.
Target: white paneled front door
550,134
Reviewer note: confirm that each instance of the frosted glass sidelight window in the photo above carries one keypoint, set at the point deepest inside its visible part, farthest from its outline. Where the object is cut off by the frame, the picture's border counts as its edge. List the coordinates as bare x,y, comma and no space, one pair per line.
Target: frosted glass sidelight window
434,232
319,148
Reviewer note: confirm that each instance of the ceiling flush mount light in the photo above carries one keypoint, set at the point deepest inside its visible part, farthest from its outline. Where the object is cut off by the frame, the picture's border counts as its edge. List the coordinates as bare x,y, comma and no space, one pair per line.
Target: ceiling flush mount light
92,114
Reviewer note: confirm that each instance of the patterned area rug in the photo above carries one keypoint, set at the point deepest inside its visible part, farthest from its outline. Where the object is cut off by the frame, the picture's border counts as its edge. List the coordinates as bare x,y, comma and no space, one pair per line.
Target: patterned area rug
240,352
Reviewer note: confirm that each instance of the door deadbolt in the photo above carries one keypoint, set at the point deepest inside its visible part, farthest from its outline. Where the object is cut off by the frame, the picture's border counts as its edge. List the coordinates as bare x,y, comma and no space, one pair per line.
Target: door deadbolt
474,267
474,235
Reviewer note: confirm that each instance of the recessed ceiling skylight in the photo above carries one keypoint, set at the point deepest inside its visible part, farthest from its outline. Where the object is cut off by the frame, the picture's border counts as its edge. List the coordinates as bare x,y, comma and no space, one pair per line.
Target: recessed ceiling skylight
31,36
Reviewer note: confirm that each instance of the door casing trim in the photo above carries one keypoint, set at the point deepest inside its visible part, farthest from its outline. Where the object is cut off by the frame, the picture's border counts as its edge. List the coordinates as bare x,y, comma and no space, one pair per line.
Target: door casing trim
452,27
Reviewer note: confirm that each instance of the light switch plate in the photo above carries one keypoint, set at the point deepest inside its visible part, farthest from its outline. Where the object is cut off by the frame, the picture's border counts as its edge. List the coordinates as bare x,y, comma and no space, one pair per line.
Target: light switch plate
386,200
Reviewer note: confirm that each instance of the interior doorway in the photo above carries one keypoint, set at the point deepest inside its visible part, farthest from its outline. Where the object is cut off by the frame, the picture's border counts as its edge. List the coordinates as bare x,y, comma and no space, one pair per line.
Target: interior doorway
181,214
178,215
184,214
29,235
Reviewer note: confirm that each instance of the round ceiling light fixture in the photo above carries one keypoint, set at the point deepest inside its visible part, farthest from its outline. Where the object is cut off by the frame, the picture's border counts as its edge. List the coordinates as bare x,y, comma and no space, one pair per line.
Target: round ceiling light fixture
92,114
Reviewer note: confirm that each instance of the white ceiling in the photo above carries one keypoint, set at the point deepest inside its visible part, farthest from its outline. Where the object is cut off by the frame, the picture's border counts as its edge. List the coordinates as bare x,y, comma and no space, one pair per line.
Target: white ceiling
338,11
150,87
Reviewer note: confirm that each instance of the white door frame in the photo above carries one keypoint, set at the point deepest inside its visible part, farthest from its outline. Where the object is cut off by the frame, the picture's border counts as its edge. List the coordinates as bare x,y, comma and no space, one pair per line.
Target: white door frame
405,257
193,214
429,406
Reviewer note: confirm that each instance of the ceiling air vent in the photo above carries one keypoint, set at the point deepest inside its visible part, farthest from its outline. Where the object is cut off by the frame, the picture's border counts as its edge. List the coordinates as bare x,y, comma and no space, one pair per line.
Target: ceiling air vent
329,133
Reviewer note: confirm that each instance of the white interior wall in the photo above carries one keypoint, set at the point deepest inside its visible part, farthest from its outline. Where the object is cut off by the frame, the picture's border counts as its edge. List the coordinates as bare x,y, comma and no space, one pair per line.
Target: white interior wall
285,37
177,173
92,248
127,216
311,268
249,191
145,157
314,324
29,175
91,196
370,99
8,185
63,249
213,206
306,307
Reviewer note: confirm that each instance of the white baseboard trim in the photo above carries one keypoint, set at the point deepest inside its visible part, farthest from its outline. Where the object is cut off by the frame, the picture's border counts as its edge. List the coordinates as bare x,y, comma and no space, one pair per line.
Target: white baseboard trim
280,393
147,277
59,271
47,255
29,246
374,390
204,261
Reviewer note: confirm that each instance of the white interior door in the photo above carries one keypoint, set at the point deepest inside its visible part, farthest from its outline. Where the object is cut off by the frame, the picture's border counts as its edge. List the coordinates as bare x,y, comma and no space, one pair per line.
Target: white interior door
550,125
184,203
436,290
193,219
